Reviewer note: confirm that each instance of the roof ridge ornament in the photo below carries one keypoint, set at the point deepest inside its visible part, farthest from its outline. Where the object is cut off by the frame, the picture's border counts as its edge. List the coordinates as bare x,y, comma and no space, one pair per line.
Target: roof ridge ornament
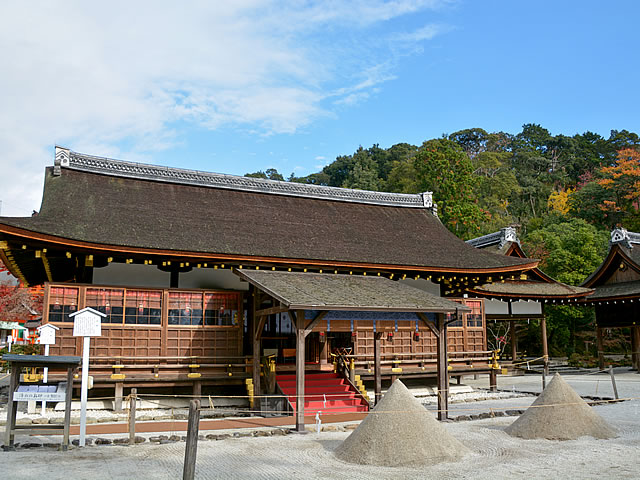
500,238
508,234
624,237
429,204
61,160
119,168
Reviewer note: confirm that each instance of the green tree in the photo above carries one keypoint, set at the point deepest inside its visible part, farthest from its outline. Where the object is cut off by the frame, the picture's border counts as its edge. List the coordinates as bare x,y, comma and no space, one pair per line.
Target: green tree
269,174
442,167
570,251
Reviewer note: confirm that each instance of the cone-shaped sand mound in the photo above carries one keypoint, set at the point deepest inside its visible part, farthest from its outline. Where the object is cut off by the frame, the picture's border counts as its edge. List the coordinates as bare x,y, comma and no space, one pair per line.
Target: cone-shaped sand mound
560,414
399,431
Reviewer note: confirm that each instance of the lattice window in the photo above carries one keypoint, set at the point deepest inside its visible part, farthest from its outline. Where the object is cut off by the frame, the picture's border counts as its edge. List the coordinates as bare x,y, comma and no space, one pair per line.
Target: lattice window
474,319
143,307
62,302
220,309
108,301
185,308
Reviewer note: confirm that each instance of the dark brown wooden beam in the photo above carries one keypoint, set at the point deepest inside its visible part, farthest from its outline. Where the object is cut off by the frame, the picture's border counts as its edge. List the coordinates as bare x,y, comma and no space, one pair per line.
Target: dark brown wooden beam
443,370
600,344
514,340
635,347
256,348
300,364
260,321
271,310
545,347
377,351
428,323
313,323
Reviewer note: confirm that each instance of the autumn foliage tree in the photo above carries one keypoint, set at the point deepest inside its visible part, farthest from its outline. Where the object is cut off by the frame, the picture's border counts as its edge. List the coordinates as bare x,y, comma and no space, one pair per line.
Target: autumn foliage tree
622,181
16,301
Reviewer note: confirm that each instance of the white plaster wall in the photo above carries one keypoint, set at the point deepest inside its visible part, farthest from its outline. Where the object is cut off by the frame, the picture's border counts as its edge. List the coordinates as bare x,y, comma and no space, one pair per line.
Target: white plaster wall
422,284
223,279
131,275
151,276
498,307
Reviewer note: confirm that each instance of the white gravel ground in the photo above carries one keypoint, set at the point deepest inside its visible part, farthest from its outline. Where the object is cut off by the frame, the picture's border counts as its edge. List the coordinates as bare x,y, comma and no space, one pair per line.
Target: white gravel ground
494,454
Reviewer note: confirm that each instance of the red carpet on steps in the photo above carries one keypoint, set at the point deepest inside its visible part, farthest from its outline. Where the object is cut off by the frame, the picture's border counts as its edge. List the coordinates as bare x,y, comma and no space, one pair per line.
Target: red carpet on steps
324,392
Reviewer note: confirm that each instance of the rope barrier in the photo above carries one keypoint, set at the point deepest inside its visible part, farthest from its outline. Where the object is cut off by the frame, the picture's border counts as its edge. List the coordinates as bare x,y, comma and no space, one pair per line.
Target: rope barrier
527,361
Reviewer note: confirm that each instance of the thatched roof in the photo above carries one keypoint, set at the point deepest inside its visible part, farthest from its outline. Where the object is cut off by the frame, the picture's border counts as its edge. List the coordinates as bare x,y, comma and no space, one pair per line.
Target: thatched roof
91,202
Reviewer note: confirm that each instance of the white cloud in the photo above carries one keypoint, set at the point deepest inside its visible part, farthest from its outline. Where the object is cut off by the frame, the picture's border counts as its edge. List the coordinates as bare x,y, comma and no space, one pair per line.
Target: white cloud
320,157
122,78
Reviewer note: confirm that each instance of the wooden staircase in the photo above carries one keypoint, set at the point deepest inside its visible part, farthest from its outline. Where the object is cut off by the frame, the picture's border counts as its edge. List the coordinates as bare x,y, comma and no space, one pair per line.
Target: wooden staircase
324,392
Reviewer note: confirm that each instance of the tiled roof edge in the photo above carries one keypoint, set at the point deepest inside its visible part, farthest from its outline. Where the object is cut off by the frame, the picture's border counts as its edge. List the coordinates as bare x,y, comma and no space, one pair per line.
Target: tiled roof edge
622,236
66,158
502,236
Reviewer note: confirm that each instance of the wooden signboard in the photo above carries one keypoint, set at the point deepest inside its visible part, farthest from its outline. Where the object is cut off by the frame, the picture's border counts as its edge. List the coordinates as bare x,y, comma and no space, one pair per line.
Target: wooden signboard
87,323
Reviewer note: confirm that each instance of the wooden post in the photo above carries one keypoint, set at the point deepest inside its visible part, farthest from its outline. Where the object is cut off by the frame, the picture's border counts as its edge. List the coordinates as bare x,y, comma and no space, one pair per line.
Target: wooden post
174,278
613,382
443,369
514,340
352,370
191,448
256,348
545,348
300,357
377,351
67,409
493,380
132,415
117,403
197,389
324,351
11,407
635,346
600,345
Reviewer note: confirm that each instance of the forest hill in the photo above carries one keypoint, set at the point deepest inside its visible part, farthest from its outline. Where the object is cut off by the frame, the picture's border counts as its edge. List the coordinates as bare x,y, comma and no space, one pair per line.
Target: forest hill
565,193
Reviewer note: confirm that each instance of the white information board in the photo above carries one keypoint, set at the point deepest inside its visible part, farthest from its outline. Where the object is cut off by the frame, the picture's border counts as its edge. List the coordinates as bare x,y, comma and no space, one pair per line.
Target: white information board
47,334
87,323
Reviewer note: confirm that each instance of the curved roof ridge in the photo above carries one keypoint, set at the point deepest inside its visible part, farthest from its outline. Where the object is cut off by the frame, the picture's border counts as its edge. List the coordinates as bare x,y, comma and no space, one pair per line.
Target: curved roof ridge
66,158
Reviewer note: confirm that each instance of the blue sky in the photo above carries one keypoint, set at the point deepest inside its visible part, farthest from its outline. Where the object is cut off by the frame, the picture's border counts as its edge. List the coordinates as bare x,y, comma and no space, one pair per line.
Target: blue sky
241,86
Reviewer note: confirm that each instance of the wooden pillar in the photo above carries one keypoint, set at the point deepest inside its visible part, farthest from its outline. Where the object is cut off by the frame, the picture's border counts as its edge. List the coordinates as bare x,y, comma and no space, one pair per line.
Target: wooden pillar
545,347
255,336
191,448
377,373
324,351
600,345
443,369
67,410
11,406
174,279
117,402
635,347
514,340
197,389
133,400
300,357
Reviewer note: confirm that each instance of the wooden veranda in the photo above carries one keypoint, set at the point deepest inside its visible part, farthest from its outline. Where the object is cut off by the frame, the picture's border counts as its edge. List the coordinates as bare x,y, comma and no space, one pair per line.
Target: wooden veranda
309,299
